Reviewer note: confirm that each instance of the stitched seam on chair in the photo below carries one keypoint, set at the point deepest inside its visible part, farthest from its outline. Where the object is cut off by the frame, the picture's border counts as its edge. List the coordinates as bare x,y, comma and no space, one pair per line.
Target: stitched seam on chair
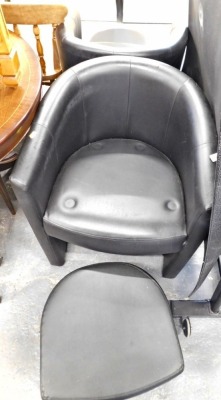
83,103
109,237
203,144
172,107
128,98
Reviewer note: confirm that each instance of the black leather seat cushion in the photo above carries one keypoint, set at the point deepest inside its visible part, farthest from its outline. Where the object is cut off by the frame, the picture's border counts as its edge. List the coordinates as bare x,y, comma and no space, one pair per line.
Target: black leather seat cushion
107,333
116,192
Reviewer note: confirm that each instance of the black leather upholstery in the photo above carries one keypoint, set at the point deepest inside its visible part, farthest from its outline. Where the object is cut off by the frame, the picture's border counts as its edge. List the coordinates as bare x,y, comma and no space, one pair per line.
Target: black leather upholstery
120,98
107,333
154,41
98,201
204,51
203,63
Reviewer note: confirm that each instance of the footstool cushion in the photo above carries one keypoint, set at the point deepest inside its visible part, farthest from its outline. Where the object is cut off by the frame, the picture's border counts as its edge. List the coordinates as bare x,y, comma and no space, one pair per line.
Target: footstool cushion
107,333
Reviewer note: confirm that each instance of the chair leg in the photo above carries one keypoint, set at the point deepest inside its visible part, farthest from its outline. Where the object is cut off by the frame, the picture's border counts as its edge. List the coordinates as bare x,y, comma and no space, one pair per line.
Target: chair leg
173,264
120,7
5,195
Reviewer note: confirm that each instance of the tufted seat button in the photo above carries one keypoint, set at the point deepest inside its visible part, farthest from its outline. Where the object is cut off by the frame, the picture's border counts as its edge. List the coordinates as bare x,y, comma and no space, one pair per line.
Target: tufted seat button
113,208
70,203
97,145
172,205
140,146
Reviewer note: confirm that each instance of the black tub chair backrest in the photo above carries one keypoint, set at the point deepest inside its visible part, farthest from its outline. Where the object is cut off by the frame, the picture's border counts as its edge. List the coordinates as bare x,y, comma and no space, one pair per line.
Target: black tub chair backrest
203,58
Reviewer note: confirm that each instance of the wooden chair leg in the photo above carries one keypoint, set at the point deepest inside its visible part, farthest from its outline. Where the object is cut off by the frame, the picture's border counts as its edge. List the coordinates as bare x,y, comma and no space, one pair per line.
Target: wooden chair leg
5,195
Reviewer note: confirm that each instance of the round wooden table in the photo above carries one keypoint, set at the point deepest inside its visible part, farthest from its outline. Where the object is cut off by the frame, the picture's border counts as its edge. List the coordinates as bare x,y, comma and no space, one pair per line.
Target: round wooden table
18,106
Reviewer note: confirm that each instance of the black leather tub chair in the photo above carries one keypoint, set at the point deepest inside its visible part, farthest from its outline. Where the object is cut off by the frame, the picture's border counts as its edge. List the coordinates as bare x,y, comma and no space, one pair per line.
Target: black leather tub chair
120,153
79,40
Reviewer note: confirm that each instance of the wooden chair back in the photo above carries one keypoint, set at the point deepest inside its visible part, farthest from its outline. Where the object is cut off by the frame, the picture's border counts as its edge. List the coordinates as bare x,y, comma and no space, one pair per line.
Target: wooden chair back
38,14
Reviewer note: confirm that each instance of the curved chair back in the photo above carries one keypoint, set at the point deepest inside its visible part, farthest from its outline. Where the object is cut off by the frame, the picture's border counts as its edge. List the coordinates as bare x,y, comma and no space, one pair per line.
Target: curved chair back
203,58
80,40
203,63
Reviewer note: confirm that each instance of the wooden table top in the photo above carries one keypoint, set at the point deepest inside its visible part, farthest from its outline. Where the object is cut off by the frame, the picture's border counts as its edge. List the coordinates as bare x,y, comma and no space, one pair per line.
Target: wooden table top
18,105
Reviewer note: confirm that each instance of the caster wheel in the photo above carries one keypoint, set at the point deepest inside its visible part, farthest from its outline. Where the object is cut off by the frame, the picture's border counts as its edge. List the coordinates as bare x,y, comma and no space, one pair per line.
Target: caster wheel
186,326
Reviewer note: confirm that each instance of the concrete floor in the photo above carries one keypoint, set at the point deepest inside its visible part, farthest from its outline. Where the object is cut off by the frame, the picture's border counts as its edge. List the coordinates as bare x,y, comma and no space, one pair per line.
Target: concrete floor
26,279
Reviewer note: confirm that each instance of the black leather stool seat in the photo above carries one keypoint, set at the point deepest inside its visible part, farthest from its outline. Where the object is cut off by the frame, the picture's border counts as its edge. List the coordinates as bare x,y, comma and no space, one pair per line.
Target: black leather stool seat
107,333
111,192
